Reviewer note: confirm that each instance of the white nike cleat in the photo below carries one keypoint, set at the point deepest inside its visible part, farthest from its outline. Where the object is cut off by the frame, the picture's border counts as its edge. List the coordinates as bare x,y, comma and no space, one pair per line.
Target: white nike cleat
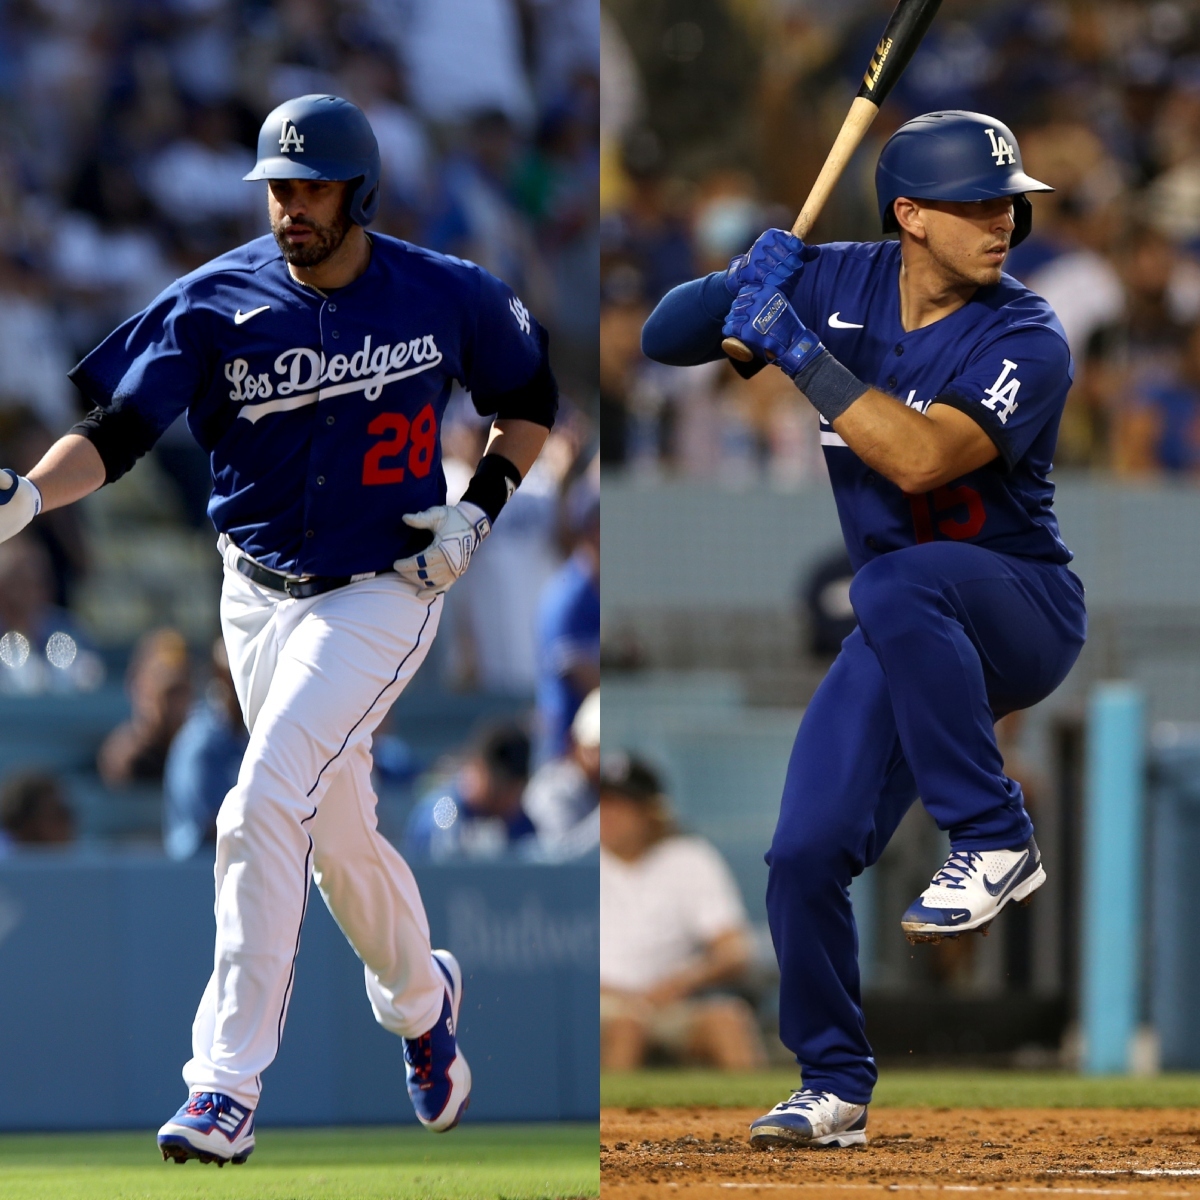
970,889
811,1119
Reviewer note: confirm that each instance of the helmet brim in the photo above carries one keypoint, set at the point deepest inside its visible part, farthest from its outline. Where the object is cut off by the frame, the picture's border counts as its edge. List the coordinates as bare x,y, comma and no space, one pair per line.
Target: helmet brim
1017,184
289,168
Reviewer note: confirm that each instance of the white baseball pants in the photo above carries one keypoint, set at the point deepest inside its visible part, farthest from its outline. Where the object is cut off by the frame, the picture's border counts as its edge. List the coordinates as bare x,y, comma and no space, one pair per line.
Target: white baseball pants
314,678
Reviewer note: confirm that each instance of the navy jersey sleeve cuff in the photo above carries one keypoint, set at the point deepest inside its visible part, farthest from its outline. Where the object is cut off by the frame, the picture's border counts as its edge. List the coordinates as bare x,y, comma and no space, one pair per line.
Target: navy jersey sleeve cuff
986,420
685,327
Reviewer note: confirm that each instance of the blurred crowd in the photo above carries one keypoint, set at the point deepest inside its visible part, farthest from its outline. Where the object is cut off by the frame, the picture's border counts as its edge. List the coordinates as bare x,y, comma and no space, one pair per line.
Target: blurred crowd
125,129
716,117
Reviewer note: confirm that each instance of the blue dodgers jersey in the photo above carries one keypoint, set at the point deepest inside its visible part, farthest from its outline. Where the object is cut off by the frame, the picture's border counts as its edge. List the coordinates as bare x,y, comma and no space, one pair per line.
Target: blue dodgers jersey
321,413
1002,358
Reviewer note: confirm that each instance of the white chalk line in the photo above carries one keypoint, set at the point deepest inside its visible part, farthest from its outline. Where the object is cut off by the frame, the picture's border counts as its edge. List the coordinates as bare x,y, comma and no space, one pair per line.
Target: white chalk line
981,1187
947,1187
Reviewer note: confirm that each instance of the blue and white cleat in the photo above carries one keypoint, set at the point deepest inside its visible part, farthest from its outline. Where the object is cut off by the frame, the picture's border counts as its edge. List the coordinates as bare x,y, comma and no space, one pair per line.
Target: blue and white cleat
970,889
211,1127
439,1080
811,1119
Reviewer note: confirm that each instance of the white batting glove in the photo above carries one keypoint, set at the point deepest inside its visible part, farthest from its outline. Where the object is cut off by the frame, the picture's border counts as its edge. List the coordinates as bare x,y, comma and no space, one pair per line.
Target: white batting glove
457,532
20,502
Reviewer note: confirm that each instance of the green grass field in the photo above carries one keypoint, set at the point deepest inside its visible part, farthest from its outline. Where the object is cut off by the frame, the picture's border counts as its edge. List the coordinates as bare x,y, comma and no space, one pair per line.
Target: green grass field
481,1162
951,1089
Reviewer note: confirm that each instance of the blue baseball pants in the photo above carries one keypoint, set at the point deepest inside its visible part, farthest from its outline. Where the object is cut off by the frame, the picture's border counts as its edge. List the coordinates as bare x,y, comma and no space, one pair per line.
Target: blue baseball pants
950,637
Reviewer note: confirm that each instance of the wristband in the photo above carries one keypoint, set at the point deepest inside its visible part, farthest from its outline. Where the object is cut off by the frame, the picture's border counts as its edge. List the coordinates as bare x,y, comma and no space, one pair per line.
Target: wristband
830,388
492,485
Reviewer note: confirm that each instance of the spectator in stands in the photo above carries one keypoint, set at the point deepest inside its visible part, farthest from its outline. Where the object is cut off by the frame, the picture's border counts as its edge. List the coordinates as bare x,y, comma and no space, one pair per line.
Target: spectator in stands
489,622
41,646
373,80
563,795
34,812
196,182
474,214
673,933
203,763
160,692
622,316
33,370
569,624
650,229
478,815
825,603
462,56
23,441
1158,422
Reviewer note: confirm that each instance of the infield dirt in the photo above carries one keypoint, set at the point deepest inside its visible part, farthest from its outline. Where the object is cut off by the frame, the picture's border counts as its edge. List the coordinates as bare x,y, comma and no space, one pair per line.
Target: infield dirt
704,1154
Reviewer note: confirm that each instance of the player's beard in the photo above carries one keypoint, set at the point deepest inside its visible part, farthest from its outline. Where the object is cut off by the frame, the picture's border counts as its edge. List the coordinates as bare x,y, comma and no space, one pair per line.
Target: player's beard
324,242
961,271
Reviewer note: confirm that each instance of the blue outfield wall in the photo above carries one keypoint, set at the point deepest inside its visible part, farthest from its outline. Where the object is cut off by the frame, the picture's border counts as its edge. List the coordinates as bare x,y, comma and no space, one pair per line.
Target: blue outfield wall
102,962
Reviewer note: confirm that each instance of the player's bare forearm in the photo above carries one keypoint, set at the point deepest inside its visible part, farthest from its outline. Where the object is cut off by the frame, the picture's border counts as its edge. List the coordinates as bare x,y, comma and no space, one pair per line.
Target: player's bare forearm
916,451
519,441
68,471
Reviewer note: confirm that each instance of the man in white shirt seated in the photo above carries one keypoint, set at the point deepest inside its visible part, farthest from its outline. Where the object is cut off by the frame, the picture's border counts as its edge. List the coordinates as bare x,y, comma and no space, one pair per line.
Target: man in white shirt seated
673,929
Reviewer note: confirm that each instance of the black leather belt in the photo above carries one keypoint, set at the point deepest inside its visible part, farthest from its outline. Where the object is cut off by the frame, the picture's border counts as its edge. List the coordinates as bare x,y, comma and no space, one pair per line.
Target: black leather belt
298,589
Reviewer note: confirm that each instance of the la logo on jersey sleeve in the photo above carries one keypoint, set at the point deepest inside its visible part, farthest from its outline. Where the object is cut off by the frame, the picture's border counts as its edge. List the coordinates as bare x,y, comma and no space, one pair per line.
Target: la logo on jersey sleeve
521,313
1001,397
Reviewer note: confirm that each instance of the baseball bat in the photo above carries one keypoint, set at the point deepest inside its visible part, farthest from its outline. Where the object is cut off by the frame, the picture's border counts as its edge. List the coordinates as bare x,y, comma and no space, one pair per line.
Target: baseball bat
908,24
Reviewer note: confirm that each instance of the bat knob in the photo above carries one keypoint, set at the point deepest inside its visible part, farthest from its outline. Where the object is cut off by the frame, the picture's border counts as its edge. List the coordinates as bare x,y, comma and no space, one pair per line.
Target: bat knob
737,349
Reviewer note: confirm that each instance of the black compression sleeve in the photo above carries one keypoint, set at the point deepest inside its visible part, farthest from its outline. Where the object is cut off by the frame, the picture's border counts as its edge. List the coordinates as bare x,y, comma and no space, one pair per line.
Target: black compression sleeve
536,400
493,484
121,437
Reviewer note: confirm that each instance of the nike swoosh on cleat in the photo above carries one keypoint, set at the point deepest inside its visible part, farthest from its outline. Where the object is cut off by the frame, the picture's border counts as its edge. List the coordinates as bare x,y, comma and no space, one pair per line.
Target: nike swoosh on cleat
240,318
1001,885
835,323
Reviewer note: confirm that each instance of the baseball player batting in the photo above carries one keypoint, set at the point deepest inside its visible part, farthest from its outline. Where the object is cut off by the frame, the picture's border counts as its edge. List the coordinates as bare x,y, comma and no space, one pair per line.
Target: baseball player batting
940,386
314,366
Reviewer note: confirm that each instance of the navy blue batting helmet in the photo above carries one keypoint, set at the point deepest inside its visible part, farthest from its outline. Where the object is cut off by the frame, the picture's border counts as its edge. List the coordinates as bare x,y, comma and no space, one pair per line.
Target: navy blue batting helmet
322,137
954,155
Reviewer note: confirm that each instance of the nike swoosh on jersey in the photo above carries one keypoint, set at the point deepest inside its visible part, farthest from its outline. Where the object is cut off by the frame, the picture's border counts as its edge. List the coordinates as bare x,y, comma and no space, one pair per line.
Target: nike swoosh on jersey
836,323
1002,884
240,318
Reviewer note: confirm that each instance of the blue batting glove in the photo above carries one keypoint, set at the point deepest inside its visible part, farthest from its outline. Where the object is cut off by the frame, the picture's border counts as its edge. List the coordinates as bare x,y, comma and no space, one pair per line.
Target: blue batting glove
775,249
763,319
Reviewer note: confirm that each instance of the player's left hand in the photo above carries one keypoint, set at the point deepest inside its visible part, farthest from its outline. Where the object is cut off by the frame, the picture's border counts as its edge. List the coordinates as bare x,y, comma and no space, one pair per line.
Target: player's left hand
762,318
457,530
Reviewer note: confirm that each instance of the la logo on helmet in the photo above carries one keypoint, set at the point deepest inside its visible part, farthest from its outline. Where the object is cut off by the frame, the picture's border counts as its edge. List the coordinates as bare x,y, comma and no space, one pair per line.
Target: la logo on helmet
290,138
1002,152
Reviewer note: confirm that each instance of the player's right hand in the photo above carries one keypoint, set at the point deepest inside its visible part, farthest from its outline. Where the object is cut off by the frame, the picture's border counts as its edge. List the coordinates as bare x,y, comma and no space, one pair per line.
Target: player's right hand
20,502
762,318
775,248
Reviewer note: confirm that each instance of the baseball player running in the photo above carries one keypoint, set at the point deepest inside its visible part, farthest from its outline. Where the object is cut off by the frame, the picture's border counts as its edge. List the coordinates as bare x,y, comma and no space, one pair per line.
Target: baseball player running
939,385
314,366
